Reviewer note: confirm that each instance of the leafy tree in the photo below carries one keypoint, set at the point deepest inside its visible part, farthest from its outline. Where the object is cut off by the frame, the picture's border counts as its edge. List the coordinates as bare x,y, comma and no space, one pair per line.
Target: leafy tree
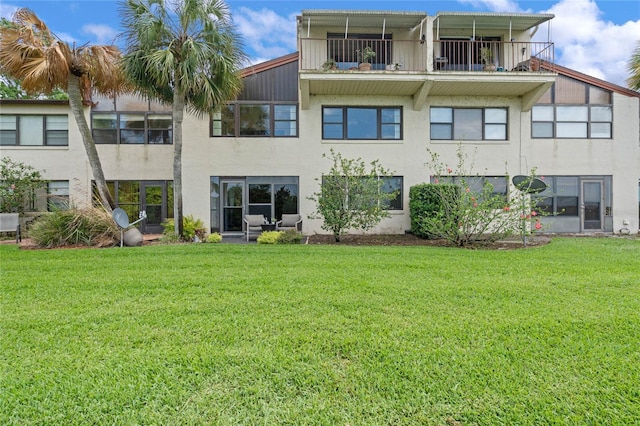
18,183
351,197
183,52
634,68
32,54
474,212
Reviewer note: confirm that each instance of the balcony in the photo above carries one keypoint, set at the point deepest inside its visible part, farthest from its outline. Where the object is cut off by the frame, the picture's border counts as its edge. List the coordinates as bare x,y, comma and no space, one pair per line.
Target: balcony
421,68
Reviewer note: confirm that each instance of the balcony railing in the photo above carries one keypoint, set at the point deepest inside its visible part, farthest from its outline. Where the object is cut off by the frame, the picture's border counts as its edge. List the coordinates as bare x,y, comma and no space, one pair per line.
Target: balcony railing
456,55
413,55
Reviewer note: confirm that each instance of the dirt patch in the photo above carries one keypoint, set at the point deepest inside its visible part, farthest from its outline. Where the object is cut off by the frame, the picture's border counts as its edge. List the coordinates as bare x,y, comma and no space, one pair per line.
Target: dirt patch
411,240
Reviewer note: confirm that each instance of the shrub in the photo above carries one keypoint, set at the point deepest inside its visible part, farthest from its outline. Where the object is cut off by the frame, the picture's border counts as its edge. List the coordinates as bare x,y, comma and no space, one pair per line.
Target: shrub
351,197
214,237
18,183
289,237
91,226
427,205
269,237
191,228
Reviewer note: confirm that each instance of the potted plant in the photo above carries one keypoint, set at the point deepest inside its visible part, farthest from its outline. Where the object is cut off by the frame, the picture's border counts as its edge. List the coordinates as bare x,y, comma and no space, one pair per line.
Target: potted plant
329,64
486,56
364,56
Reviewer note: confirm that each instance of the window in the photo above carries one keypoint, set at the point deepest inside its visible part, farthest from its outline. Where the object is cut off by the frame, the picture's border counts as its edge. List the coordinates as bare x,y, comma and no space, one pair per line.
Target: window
132,128
255,120
573,109
34,130
468,123
476,184
571,121
390,185
368,123
58,195
561,196
272,199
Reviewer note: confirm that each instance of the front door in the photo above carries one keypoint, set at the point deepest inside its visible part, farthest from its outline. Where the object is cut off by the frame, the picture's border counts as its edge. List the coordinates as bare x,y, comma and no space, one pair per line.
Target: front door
232,205
154,203
592,205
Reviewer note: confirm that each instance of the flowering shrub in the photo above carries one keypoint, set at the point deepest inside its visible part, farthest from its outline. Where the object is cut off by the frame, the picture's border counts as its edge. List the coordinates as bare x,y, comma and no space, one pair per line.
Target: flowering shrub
473,213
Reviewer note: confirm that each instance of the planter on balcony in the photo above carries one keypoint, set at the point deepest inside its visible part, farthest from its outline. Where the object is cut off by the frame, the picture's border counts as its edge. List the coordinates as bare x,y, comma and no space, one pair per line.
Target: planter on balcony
364,66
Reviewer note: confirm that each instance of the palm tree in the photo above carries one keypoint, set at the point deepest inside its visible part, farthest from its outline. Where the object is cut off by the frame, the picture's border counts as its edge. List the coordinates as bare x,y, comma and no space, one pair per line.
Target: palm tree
183,52
42,62
634,68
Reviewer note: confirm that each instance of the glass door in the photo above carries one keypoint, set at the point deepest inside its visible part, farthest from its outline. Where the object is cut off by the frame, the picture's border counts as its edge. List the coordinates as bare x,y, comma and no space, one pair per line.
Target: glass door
232,205
153,202
592,205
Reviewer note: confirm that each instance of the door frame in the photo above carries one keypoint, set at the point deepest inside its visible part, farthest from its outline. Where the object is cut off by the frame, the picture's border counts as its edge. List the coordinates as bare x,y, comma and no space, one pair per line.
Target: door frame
223,196
145,227
583,208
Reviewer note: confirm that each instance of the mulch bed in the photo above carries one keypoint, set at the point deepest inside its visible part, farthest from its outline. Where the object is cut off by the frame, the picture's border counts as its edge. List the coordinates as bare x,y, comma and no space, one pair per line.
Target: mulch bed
411,240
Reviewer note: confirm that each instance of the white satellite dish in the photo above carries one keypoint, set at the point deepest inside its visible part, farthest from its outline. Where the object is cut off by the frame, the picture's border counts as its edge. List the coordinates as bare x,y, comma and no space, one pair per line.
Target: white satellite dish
120,217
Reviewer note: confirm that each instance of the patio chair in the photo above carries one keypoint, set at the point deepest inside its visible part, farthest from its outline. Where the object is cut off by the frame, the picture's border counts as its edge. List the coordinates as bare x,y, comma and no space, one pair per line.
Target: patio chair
290,221
253,223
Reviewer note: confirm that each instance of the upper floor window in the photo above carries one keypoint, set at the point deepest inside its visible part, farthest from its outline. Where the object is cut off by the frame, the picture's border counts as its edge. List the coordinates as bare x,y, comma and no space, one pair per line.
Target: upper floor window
255,120
473,124
132,128
573,109
571,121
34,130
362,123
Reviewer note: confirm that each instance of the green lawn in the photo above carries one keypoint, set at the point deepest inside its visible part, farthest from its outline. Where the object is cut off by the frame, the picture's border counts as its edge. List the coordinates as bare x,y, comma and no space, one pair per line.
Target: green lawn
325,335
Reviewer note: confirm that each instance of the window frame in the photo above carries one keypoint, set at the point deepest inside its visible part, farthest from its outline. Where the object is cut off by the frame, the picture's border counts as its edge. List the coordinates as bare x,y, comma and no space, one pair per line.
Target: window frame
379,125
590,121
484,123
235,109
100,133
46,137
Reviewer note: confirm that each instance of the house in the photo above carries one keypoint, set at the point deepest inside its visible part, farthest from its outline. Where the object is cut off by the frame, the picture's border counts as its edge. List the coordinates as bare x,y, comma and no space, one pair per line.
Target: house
470,81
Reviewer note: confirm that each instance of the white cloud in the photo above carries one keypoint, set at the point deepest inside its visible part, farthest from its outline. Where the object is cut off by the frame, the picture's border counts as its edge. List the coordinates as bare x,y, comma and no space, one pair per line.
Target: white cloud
494,5
7,10
103,34
265,33
587,43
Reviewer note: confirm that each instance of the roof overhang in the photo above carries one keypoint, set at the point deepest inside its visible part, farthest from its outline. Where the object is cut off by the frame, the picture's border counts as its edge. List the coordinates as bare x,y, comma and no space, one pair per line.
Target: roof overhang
491,21
362,18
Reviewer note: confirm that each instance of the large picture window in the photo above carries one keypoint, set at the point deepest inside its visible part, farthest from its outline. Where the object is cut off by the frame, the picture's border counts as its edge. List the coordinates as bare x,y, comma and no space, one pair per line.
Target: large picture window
132,128
468,123
476,184
255,120
366,123
34,130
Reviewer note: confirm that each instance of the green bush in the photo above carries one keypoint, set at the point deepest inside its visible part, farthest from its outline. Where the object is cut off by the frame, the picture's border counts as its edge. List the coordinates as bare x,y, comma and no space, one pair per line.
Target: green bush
191,228
214,237
269,237
429,203
92,226
289,237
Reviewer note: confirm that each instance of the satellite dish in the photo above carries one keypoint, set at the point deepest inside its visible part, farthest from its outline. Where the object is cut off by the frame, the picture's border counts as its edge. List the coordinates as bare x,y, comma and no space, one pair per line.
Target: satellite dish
528,185
121,218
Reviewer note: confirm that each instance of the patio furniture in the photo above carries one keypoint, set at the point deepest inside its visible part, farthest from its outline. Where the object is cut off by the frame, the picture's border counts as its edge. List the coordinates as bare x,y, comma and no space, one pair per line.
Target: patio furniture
253,223
10,222
290,221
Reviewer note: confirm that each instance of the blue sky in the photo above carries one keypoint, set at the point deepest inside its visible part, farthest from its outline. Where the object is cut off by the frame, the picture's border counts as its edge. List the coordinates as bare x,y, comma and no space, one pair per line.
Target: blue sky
592,36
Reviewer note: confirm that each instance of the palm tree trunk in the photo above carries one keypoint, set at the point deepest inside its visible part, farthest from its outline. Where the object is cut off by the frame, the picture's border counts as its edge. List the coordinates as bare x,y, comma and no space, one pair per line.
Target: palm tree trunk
178,114
75,101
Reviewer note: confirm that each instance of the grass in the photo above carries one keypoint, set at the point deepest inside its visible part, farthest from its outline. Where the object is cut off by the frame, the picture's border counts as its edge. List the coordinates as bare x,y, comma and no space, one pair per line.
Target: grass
321,335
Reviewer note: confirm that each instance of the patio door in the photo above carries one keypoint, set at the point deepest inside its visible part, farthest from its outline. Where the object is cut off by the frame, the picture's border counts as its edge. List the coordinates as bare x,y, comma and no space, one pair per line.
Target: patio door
153,202
592,195
232,205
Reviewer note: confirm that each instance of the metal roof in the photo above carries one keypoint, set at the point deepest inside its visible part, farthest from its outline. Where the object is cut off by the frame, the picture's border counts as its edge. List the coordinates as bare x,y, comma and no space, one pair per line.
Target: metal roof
362,18
490,21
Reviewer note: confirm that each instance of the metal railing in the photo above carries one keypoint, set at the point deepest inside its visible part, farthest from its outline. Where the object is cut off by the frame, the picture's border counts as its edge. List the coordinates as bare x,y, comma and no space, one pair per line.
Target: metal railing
347,54
414,55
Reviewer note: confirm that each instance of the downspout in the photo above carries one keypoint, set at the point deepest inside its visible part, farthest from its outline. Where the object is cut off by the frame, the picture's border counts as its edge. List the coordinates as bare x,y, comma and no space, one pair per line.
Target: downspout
346,28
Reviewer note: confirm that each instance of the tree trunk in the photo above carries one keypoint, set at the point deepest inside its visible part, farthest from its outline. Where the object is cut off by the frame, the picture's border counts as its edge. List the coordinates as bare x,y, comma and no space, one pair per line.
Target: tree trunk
178,114
75,101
